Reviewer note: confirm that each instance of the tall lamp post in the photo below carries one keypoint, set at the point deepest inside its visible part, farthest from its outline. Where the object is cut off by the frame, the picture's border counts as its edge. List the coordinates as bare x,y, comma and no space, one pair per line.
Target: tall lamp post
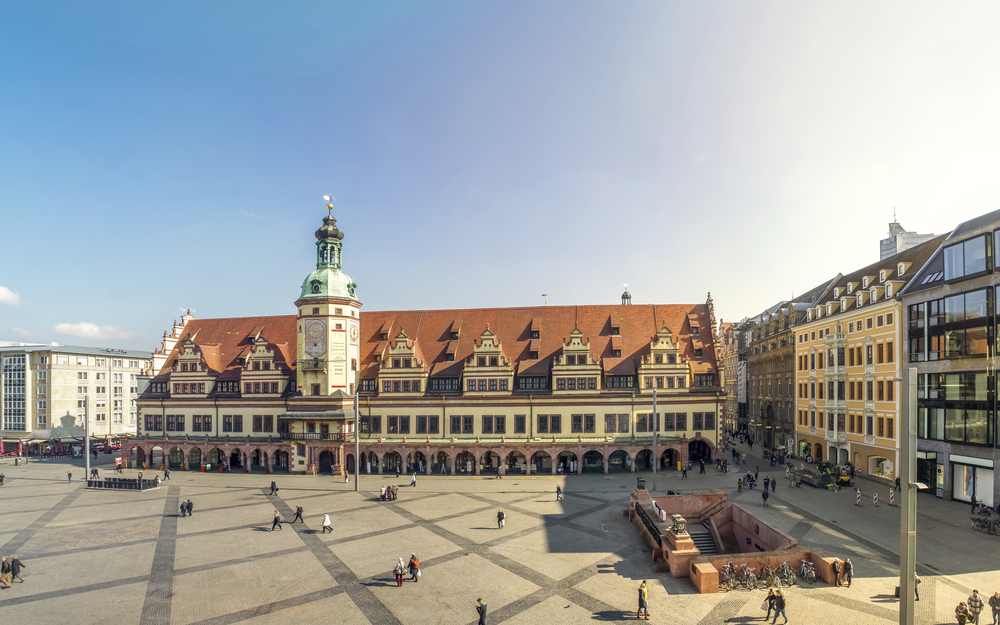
908,474
656,436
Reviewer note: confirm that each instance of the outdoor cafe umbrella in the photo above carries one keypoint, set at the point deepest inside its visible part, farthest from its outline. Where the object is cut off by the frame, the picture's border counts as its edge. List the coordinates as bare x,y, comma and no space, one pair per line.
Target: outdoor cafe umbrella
20,447
58,445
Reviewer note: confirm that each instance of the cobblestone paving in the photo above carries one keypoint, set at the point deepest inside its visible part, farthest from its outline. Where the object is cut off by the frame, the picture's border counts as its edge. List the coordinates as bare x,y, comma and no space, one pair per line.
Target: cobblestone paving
124,557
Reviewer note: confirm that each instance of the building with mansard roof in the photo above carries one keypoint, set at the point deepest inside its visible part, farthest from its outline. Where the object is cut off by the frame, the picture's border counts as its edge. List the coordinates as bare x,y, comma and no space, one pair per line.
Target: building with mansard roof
538,389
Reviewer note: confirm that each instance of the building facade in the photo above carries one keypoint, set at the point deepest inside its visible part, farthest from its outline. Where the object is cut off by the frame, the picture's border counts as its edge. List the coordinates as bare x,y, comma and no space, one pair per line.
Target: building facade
545,389
728,353
951,336
46,392
848,356
899,240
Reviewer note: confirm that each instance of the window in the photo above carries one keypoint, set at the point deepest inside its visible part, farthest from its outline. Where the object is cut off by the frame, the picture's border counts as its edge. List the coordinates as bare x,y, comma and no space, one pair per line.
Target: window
500,424
396,387
668,421
881,390
519,424
966,259
589,424
620,381
708,379
869,390
696,420
531,383
422,425
889,357
444,384
561,384
649,382
591,384
890,390
392,425
493,385
868,323
576,424
543,424
456,424
610,423
467,425
680,421
482,385
503,385
387,387
881,352
404,424
869,354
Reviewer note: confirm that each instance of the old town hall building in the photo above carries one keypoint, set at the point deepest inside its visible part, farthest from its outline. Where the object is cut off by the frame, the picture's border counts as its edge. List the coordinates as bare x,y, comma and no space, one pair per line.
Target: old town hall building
550,389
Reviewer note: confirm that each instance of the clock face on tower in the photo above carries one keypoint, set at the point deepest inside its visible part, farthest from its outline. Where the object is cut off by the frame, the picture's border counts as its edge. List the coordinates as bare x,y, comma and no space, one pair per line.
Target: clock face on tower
315,339
354,333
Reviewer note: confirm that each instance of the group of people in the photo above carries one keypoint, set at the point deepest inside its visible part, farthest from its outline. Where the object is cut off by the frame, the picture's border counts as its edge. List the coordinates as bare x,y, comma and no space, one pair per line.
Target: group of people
843,572
10,569
388,492
413,566
968,611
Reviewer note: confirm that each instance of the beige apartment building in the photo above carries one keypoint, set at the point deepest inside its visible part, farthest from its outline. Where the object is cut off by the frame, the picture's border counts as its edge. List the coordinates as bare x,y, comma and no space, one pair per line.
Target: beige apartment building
47,391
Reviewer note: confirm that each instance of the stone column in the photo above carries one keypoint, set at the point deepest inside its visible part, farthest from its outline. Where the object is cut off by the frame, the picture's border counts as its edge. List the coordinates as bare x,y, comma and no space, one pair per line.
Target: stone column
607,464
453,463
555,463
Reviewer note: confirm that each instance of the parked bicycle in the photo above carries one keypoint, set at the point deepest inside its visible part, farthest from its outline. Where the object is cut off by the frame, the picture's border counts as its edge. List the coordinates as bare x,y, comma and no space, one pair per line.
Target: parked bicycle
807,572
747,578
768,577
786,573
727,580
985,524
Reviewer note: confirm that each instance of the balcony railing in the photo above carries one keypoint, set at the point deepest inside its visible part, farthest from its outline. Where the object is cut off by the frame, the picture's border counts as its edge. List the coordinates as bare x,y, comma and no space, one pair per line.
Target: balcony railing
336,437
313,365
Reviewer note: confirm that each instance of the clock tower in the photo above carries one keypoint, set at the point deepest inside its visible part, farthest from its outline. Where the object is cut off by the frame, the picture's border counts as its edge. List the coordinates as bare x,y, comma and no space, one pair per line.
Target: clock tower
329,321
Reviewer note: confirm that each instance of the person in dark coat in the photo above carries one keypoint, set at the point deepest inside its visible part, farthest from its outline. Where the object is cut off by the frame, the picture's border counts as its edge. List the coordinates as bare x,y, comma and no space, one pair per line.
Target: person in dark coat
558,489
848,572
15,569
274,488
767,482
774,484
771,598
298,514
763,495
779,607
5,572
166,474
501,517
481,608
190,508
184,508
1,479
836,571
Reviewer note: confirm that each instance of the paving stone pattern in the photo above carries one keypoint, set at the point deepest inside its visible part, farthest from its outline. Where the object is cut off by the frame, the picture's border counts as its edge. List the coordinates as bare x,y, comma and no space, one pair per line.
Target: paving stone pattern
124,557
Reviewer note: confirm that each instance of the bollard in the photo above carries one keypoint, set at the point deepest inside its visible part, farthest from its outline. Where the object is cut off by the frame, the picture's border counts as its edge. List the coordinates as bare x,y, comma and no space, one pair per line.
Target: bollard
875,499
858,502
786,471
892,497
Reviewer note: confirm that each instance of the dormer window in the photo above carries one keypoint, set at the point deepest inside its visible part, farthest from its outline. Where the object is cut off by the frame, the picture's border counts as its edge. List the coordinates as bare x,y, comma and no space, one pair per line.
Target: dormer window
836,292
900,269
450,358
454,336
809,315
861,299
829,309
494,361
881,275
535,334
256,365
874,295
888,290
850,288
843,304
395,363
695,330
616,353
532,355
481,361
865,285
615,331
384,336
406,363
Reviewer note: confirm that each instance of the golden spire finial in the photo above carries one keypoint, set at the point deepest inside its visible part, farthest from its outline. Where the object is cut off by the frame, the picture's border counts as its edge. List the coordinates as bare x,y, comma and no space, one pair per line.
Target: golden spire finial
329,202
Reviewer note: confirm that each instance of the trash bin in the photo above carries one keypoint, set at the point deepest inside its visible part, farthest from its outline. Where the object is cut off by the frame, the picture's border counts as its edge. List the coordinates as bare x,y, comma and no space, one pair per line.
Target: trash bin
17,462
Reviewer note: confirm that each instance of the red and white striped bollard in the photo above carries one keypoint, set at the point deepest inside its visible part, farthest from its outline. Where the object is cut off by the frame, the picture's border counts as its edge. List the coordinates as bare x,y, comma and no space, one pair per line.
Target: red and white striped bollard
858,502
892,497
875,499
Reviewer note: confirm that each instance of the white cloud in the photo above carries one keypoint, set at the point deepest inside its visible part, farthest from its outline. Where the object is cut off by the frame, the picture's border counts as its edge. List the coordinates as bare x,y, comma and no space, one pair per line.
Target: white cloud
250,214
9,297
87,330
20,332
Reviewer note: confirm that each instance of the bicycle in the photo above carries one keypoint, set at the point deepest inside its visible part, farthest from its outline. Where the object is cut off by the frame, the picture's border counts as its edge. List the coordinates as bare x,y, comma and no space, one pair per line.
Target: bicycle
807,572
982,524
747,578
786,573
726,581
768,577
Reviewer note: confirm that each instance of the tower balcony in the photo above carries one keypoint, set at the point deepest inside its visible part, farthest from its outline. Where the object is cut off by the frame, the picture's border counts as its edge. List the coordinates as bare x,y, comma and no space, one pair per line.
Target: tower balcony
312,365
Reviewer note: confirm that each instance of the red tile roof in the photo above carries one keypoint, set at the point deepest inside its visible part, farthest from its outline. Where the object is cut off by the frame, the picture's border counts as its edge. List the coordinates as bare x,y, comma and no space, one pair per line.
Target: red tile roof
222,341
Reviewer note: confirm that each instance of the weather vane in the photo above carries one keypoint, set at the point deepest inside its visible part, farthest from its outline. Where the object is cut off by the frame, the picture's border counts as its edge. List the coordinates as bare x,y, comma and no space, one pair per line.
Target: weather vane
329,202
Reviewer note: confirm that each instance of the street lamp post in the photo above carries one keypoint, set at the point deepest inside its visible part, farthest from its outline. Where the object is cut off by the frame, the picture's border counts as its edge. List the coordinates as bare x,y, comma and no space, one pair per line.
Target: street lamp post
908,473
656,435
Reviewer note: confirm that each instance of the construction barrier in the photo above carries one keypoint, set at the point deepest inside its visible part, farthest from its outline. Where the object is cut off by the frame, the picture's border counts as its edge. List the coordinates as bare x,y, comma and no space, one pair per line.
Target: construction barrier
875,499
858,502
892,497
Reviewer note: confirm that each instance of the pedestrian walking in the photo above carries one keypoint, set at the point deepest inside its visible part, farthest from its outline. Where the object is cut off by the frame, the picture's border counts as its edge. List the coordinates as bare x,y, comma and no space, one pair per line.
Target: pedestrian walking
767,482
414,565
739,485
381,494
558,492
995,605
397,471
501,517
774,484
684,473
166,474
16,566
643,601
481,609
763,495
277,521
756,472
769,601
184,508
69,476
395,492
836,572
744,457
5,573
413,480
274,488
298,515
329,528
399,570
975,607
961,613
779,607
701,465
849,572
190,508
1,479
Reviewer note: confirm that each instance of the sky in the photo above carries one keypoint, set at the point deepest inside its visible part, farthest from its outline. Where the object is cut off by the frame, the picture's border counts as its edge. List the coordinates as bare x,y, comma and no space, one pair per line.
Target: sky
156,157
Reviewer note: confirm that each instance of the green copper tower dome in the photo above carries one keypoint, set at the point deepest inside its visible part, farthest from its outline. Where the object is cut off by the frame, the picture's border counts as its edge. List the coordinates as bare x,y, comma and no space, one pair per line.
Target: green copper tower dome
328,281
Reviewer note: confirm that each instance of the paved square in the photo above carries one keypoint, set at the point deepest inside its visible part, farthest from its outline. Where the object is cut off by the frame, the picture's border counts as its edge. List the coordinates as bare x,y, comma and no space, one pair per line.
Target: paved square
98,556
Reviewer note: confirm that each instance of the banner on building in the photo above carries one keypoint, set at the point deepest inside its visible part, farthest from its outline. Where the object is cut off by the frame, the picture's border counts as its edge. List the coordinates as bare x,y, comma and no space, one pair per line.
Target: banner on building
741,382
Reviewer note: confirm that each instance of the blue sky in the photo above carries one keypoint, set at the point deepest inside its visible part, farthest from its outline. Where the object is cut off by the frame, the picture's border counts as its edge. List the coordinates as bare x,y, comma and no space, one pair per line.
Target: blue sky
162,156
